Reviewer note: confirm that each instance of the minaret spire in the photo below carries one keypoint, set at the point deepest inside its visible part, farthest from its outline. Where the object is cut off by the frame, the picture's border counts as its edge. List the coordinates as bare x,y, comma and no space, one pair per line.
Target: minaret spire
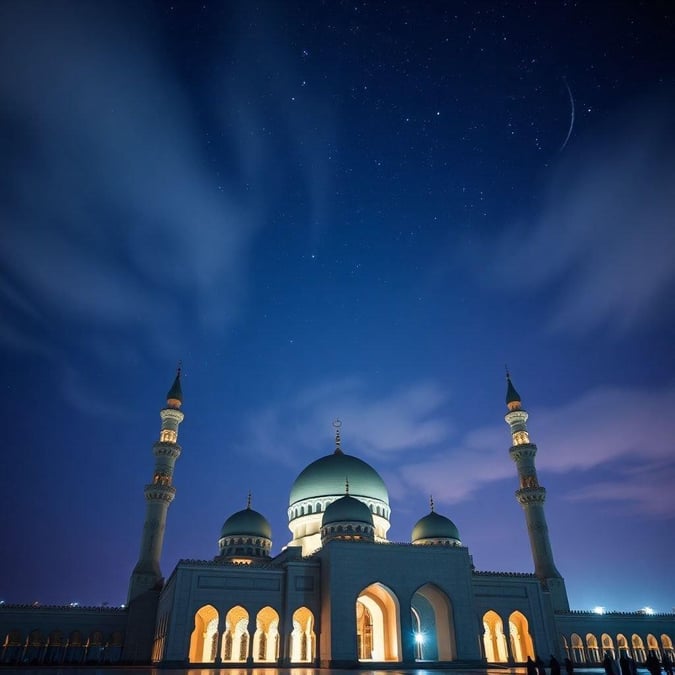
158,495
531,496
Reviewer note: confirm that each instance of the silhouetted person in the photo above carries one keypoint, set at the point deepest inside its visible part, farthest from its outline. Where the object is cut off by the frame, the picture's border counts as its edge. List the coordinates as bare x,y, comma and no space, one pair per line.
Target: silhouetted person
531,667
541,670
554,665
667,664
625,665
607,664
653,664
569,666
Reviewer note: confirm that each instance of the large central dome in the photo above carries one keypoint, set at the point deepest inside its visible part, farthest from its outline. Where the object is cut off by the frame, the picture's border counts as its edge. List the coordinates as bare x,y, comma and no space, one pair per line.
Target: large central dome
325,481
326,477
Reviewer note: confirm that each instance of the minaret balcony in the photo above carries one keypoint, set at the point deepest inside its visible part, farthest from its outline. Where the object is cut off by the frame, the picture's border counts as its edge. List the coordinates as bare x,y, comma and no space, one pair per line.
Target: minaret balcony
156,492
166,449
524,451
531,495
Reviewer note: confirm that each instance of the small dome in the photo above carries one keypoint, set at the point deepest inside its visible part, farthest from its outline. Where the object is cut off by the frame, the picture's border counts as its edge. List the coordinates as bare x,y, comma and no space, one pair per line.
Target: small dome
246,523
347,509
434,526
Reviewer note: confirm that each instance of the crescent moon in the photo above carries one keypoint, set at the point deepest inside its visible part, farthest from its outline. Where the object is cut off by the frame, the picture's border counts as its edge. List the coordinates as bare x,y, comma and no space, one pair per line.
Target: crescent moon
569,131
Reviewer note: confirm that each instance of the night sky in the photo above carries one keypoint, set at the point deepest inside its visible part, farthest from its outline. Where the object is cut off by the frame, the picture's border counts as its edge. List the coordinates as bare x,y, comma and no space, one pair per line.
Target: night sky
360,210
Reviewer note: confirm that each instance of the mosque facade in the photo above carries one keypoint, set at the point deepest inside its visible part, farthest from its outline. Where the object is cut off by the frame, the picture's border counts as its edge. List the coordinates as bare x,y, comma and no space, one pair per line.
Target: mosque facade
339,594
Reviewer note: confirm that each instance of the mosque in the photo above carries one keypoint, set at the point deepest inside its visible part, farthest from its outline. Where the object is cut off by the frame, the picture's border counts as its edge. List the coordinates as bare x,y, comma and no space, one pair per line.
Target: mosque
339,594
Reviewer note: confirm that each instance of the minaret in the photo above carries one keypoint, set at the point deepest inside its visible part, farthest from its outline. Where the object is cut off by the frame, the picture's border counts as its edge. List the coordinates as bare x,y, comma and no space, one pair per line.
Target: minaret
158,495
531,496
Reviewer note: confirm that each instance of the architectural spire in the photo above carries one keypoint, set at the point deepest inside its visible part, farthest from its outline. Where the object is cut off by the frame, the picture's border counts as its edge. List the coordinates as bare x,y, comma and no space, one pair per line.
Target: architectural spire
337,424
248,500
531,496
512,396
158,495
431,502
346,485
174,399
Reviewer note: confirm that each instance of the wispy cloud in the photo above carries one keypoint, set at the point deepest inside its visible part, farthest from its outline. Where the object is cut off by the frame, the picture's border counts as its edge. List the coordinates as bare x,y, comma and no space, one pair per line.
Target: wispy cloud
113,216
604,239
605,430
411,439
384,427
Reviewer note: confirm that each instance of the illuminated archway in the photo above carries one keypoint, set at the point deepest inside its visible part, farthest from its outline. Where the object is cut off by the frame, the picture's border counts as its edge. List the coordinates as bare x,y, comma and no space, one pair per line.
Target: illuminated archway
266,636
204,637
435,630
75,649
521,640
378,630
622,645
12,646
235,637
653,645
608,645
578,652
667,645
303,640
494,640
565,646
592,648
55,651
34,647
638,648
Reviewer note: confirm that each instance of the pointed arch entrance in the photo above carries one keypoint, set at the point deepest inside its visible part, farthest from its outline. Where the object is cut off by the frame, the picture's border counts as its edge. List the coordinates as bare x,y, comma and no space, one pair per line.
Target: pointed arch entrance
494,640
303,640
521,640
433,624
378,628
235,637
266,636
204,637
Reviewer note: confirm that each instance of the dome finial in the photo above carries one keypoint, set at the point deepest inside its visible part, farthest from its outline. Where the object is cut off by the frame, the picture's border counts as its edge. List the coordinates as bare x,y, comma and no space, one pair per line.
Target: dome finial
248,500
346,485
431,502
337,423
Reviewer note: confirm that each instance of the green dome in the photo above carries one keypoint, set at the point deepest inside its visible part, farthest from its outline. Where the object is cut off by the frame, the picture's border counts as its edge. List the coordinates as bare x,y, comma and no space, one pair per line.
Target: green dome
434,526
246,523
326,477
347,510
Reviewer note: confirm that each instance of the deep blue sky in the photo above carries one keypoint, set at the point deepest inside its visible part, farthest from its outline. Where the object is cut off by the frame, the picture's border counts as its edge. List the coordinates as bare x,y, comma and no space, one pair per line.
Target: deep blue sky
337,209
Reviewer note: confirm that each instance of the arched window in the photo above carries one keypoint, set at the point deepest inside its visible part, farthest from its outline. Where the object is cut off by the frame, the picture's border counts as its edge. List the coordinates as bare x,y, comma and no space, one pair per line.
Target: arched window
638,648
494,640
608,645
592,648
266,637
653,645
204,637
521,640
303,640
667,645
578,653
235,638
622,645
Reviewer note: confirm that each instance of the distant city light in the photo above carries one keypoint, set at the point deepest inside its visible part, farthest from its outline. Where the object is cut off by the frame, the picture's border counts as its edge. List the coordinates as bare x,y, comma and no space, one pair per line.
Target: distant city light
419,638
599,609
647,610
74,604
